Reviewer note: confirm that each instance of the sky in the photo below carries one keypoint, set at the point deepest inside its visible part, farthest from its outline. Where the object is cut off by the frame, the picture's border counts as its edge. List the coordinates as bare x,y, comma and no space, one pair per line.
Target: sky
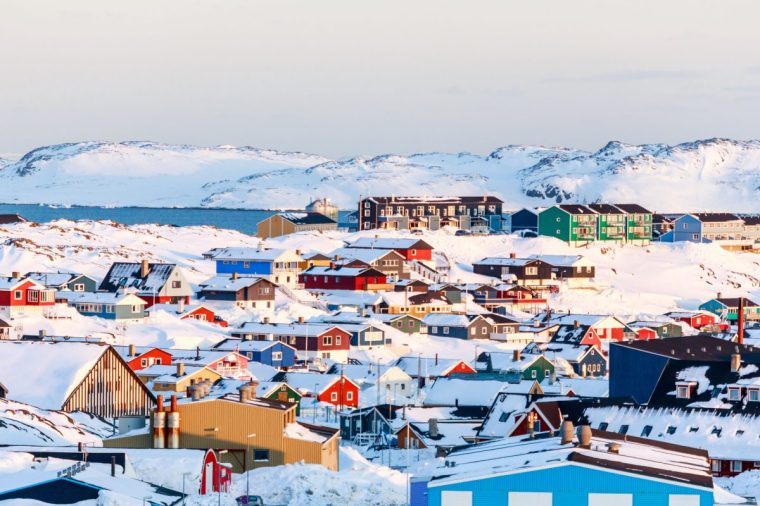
358,77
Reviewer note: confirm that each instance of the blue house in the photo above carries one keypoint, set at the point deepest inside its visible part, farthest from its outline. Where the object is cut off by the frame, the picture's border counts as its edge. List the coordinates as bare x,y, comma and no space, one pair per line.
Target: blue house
279,266
594,468
272,353
525,219
705,227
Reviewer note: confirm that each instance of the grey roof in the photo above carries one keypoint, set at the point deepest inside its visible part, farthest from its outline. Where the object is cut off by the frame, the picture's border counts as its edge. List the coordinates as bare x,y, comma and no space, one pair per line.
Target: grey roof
127,275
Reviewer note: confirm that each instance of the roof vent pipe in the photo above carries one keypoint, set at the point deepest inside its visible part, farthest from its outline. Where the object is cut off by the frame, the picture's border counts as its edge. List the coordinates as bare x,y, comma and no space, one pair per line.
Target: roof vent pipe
584,436
568,431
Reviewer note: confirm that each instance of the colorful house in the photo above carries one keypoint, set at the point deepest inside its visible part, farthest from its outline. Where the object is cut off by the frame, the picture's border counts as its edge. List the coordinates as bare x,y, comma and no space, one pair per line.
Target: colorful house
65,281
337,277
289,223
728,308
244,291
593,468
155,283
110,306
312,340
573,223
140,357
21,296
638,224
410,249
335,389
610,223
279,266
274,353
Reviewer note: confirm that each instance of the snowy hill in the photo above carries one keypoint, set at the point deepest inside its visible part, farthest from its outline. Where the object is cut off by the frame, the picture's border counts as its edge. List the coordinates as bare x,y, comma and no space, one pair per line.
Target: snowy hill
22,424
715,174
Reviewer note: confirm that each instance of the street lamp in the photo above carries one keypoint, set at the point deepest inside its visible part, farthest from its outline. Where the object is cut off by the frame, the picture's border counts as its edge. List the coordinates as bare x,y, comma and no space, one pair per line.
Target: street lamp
253,464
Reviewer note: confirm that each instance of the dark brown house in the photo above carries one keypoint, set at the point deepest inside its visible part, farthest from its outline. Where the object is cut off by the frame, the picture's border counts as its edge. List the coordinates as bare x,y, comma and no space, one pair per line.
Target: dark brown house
403,213
521,271
388,261
253,292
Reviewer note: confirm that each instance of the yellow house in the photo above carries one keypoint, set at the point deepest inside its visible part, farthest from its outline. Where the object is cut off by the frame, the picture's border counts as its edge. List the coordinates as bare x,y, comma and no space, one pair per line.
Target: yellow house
290,223
255,432
176,378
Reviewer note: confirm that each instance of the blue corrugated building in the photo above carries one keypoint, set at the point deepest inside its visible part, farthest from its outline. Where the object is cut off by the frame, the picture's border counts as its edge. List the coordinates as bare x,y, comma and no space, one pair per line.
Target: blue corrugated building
594,468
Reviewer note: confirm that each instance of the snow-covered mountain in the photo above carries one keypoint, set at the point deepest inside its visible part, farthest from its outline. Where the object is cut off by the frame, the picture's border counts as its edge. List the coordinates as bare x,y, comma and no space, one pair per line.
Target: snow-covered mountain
714,174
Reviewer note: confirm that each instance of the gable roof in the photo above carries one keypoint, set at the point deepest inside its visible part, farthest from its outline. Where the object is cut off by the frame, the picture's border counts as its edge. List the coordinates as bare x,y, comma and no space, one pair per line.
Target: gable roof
715,217
54,279
734,301
287,329
699,348
228,283
430,367
44,374
633,209
256,254
306,218
576,209
605,209
10,283
127,275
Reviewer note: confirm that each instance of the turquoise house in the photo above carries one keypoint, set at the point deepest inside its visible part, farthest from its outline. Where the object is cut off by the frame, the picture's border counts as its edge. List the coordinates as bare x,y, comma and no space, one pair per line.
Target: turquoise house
608,470
728,308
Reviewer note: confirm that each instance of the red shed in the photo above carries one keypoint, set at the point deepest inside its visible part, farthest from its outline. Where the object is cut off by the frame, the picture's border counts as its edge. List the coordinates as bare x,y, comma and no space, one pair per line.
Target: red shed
215,475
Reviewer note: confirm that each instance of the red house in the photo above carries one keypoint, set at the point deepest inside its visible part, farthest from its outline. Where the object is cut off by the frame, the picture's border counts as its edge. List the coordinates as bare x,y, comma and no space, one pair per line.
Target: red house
311,340
20,296
334,389
591,329
343,278
138,358
540,417
646,333
195,312
697,319
410,249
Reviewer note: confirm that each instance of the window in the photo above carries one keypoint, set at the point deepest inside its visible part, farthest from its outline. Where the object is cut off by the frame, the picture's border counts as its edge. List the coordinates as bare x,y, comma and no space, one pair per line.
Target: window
414,252
734,394
261,455
276,355
334,396
607,499
109,308
350,395
135,309
445,330
17,295
456,498
327,340
531,271
484,330
176,284
558,231
534,374
603,426
736,466
716,465
671,429
547,373
79,287
337,340
528,499
623,430
144,362
753,395
683,390
646,431
366,213
249,354
695,237
717,431
558,220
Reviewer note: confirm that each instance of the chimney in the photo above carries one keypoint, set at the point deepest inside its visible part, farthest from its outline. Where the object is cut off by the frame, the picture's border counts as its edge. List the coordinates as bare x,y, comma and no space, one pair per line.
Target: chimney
298,252
42,334
181,305
736,362
197,392
15,274
516,356
613,448
300,319
132,351
436,359
180,369
144,269
113,465
332,266
266,319
172,425
234,276
568,431
537,323
197,353
576,324
740,322
584,436
336,257
433,428
719,295
513,255
159,422
261,246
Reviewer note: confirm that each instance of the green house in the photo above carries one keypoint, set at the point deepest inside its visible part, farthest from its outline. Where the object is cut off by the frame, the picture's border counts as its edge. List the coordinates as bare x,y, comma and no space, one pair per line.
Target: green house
280,391
529,367
638,224
573,223
403,322
611,223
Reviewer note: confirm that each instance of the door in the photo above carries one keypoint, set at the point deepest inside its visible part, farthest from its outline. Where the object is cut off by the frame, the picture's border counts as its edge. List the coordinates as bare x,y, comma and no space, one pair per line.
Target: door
531,499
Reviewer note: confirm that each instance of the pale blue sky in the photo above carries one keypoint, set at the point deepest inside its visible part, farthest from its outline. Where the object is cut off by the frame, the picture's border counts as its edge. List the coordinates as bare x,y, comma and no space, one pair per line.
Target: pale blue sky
360,77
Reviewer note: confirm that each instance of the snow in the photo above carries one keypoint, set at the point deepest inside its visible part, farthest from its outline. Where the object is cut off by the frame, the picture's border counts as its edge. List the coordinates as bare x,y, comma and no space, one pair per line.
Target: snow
57,370
697,374
746,484
298,431
22,424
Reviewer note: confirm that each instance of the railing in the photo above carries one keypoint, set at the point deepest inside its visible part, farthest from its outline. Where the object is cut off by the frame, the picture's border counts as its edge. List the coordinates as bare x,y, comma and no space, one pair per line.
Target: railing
425,271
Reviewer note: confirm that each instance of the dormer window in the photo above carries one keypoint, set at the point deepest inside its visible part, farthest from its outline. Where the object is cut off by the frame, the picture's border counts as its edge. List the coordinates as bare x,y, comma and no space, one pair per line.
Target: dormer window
753,394
734,393
685,389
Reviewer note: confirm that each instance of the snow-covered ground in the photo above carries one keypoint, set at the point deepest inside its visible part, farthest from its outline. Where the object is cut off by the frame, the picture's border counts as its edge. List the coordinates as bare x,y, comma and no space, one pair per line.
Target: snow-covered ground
692,176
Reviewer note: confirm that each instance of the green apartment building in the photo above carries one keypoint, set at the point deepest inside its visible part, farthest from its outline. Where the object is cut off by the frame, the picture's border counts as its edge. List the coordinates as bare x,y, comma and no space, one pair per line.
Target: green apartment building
573,223
578,224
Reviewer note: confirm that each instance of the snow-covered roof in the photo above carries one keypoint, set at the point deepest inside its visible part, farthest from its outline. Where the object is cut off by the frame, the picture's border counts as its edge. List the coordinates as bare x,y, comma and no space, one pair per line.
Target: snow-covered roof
505,261
635,455
10,282
127,275
429,366
45,374
389,243
244,345
308,382
52,279
463,392
257,255
725,435
563,260
228,283
289,329
446,320
366,255
101,298
501,415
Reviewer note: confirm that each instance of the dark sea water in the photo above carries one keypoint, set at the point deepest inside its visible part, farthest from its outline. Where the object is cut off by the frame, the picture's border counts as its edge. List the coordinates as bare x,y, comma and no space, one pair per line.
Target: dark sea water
234,219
